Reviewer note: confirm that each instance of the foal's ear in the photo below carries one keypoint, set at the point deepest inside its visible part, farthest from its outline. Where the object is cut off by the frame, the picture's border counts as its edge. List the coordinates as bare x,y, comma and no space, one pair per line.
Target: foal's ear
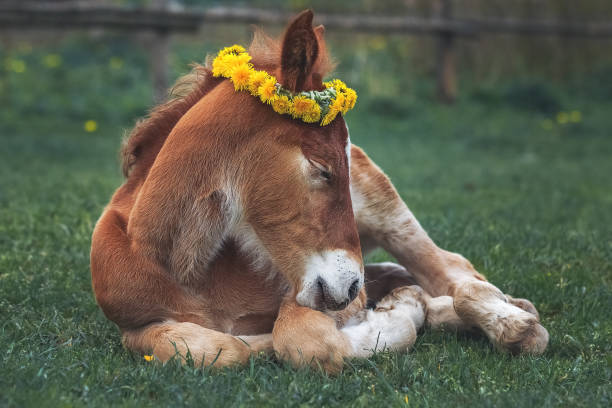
299,52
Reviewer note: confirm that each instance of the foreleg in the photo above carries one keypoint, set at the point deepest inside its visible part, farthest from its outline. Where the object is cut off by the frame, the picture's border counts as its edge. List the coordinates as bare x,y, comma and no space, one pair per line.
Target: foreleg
305,336
204,346
384,219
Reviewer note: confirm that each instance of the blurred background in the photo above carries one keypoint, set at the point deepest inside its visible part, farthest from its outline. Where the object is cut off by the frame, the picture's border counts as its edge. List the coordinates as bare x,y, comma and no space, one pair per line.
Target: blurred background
491,117
107,60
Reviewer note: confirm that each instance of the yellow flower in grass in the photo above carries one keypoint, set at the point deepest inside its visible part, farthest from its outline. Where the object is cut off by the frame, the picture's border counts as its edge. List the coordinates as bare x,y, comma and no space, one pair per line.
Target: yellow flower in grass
267,90
257,78
16,65
90,126
562,118
241,76
282,105
52,60
575,116
149,358
115,63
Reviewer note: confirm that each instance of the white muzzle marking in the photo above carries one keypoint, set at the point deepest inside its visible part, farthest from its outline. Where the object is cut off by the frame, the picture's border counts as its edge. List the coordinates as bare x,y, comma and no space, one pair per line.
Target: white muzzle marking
337,270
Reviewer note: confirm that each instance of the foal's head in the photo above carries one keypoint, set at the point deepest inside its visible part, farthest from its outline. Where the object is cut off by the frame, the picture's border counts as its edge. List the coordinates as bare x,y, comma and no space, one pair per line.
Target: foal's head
293,182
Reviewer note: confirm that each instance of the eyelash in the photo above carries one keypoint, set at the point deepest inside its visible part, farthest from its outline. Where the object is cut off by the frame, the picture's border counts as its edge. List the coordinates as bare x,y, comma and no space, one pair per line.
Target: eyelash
323,172
326,175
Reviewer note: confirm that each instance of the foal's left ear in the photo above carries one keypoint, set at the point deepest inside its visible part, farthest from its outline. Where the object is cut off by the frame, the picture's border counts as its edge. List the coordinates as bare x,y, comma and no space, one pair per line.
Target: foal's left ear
299,52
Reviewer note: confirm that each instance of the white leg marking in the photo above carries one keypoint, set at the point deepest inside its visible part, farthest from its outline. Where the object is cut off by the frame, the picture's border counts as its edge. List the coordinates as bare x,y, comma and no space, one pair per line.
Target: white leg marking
507,326
392,325
347,148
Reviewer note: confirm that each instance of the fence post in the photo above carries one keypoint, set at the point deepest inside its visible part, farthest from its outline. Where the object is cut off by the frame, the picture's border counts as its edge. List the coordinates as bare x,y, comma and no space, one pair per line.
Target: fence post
159,50
445,60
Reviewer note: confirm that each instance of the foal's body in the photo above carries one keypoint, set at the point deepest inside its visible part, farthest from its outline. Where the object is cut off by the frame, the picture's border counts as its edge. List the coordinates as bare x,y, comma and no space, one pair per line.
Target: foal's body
182,260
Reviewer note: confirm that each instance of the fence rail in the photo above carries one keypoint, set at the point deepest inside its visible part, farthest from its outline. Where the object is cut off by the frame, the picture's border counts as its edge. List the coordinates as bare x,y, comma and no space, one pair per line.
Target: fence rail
164,21
62,15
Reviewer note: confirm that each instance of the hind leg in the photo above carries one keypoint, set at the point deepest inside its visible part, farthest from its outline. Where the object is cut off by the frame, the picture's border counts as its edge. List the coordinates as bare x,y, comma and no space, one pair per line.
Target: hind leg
383,219
392,325
382,278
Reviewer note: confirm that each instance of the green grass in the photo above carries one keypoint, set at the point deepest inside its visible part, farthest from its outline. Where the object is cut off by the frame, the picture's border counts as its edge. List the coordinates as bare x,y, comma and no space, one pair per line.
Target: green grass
527,199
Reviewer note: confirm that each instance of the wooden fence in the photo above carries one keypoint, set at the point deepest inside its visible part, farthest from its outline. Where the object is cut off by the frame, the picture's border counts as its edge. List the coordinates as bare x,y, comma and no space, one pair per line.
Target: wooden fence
163,21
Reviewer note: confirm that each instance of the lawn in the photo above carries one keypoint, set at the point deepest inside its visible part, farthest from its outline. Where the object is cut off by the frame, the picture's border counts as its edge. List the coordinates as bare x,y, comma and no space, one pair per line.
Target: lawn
525,194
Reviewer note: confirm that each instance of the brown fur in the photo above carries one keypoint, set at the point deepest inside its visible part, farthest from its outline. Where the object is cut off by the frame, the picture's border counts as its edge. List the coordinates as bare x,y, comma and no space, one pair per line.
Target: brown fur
209,160
225,201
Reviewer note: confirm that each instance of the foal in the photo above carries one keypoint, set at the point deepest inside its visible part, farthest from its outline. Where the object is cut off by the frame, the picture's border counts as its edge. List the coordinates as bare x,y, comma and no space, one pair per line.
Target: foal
239,230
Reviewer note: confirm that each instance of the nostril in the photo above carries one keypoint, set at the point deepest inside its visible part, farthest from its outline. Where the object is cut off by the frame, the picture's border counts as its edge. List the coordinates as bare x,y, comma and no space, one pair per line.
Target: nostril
354,289
321,287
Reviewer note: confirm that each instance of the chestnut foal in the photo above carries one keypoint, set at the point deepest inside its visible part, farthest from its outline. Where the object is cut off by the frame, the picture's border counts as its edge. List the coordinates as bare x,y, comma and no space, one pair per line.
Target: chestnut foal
239,230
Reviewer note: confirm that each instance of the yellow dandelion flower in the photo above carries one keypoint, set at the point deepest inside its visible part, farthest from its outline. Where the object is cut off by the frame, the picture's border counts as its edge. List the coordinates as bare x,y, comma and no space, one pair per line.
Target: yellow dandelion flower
52,60
313,114
330,84
219,66
149,358
257,78
282,105
338,103
240,76
329,117
547,124
223,65
16,65
337,84
240,59
234,63
267,90
234,49
562,118
115,63
90,126
301,106
378,42
351,98
575,116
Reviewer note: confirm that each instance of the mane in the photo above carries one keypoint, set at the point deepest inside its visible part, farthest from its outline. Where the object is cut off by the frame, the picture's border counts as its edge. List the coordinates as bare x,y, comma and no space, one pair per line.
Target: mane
141,146
144,141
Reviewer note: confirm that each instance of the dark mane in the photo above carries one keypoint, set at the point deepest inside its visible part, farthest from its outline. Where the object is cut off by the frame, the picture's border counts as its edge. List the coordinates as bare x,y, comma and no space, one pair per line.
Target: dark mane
141,146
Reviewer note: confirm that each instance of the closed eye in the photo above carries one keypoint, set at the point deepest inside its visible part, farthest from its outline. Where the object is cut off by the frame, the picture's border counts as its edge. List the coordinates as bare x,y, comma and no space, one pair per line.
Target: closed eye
322,171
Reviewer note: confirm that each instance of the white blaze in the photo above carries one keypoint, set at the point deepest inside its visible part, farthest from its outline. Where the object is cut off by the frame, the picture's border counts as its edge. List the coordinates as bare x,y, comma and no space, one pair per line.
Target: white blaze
348,148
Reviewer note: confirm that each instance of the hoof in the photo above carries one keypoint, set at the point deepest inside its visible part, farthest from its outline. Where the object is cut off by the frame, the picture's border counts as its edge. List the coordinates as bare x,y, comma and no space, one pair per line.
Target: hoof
525,305
510,327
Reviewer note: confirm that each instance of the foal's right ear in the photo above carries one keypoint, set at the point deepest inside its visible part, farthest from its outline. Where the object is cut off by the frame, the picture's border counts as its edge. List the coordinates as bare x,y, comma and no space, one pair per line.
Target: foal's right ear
299,52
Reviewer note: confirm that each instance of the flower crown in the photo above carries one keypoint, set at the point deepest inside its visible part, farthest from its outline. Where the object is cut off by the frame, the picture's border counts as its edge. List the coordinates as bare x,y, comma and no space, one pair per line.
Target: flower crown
309,106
